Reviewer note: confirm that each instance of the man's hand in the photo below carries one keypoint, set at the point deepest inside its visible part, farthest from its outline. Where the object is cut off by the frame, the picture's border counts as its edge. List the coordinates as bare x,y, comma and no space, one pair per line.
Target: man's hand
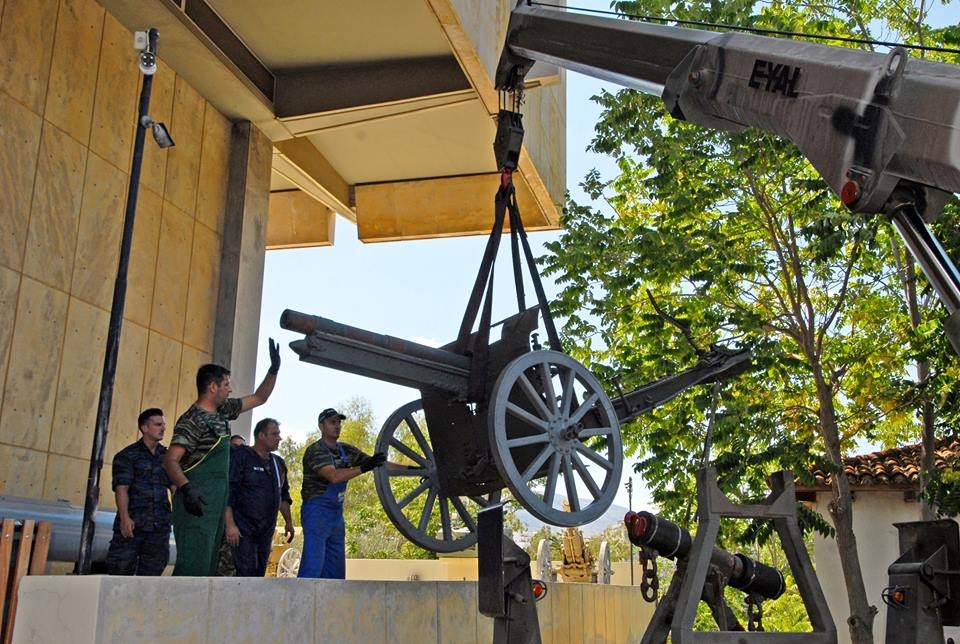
378,459
290,531
193,501
126,527
274,357
233,534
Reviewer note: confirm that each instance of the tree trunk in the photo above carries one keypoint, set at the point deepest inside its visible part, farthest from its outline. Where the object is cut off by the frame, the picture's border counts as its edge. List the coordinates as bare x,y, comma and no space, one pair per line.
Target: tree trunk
860,621
928,411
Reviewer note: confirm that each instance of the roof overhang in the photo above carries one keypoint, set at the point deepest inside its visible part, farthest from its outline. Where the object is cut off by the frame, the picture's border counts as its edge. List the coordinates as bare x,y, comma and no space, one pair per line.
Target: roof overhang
381,111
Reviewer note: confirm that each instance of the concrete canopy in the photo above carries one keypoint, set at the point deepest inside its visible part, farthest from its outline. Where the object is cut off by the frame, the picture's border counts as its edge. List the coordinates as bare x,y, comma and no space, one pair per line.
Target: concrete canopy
381,111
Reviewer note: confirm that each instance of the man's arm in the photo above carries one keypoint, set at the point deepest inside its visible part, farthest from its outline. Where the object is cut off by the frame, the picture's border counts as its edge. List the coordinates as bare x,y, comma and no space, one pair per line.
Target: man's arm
231,530
193,500
122,493
263,392
288,529
171,465
338,474
123,473
364,463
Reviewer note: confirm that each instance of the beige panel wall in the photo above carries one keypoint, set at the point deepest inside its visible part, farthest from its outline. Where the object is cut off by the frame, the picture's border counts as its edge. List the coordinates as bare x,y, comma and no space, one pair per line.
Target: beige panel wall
544,107
103,609
69,86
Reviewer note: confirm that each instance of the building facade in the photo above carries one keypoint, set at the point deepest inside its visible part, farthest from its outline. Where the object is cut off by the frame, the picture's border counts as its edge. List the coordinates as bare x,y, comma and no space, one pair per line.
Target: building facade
286,116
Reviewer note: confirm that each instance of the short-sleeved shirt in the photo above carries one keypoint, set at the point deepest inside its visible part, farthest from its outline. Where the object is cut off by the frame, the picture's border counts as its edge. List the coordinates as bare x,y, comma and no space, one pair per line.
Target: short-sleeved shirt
257,487
148,494
198,430
319,455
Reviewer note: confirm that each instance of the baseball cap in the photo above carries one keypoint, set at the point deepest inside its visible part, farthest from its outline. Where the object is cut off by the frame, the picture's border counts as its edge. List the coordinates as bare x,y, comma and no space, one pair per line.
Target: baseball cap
329,412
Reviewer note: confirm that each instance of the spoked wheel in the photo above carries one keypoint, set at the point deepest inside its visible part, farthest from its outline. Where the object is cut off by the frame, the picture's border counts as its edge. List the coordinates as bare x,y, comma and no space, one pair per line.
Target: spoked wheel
289,563
604,564
412,497
549,419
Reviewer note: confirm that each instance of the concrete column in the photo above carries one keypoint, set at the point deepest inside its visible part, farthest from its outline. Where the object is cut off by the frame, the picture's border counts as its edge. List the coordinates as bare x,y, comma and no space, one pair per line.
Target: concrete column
242,259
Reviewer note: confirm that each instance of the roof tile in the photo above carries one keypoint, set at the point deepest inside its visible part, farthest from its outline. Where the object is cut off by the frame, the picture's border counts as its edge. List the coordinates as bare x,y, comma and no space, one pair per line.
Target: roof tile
898,466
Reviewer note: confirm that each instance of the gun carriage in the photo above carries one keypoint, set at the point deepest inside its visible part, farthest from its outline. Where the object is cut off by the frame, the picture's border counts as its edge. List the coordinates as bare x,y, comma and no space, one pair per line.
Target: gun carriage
502,414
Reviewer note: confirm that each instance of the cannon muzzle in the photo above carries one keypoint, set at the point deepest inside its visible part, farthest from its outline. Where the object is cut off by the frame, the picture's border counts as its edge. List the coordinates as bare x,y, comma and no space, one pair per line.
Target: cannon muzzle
671,540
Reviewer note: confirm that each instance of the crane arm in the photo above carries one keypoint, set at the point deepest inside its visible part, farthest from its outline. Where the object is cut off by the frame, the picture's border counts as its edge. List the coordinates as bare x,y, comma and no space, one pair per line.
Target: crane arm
882,130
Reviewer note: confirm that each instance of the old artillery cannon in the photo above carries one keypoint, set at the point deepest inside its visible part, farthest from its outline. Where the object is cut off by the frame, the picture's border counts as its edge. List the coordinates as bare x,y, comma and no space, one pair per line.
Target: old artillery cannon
507,413
542,424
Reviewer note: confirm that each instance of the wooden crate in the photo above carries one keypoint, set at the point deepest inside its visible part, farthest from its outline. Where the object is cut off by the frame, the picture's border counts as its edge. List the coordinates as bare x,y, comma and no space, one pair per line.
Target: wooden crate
23,551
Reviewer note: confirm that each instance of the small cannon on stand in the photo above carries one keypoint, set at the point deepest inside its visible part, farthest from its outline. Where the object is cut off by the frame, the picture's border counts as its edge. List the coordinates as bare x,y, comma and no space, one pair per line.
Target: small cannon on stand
506,413
704,569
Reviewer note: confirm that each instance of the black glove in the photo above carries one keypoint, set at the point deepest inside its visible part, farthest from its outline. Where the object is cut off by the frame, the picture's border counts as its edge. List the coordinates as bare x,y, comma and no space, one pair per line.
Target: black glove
378,459
193,501
274,357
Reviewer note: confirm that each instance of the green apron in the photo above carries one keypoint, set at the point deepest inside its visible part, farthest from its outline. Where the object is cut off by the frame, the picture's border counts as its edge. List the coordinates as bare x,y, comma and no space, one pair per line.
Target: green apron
198,538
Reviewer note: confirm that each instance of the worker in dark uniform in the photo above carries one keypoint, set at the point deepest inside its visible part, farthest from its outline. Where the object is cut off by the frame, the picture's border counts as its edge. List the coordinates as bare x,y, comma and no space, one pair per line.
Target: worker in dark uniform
198,463
225,567
141,530
327,466
258,490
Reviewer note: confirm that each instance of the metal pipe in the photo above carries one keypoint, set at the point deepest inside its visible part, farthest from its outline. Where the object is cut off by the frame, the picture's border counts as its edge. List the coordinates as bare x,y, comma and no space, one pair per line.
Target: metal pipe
67,520
88,525
673,541
933,261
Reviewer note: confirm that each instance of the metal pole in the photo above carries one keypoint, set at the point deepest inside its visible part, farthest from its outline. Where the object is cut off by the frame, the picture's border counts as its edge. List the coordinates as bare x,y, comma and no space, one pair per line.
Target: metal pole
933,261
116,318
630,507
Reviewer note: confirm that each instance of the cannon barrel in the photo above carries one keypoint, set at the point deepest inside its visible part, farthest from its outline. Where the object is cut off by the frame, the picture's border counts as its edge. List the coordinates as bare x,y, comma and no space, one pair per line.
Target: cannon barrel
671,540
347,348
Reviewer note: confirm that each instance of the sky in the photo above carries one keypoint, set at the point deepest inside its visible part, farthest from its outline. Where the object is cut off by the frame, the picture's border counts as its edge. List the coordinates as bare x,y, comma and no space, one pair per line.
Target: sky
415,290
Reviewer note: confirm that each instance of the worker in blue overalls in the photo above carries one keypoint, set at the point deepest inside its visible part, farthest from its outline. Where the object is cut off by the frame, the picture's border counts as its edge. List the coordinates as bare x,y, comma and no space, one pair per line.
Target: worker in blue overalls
327,466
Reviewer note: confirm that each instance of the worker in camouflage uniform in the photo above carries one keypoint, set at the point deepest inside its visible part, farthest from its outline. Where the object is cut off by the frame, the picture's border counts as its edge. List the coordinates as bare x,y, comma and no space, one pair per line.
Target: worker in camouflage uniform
141,529
198,463
327,466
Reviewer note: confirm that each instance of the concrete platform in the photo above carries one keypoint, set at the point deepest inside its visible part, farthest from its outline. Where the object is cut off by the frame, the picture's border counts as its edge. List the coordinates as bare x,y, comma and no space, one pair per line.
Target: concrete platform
130,610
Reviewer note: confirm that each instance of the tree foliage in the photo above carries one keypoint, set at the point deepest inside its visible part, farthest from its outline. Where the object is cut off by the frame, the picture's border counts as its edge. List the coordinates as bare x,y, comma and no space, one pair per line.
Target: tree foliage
738,240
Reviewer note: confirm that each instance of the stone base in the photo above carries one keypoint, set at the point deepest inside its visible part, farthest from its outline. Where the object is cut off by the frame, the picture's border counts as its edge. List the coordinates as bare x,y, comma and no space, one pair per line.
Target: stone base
129,610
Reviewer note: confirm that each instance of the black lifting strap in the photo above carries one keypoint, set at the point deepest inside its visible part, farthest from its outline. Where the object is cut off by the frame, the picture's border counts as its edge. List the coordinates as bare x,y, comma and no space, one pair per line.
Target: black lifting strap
516,230
482,293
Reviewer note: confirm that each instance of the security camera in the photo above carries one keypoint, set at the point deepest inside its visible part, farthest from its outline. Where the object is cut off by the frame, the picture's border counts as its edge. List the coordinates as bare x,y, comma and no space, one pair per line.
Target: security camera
160,132
148,54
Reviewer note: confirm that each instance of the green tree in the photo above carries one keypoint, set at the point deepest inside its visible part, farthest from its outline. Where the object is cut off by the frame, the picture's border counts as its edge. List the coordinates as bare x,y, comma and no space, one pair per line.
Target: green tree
737,238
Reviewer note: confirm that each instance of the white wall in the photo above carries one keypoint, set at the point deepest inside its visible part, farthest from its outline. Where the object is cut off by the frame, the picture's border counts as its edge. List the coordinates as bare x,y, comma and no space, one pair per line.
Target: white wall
874,513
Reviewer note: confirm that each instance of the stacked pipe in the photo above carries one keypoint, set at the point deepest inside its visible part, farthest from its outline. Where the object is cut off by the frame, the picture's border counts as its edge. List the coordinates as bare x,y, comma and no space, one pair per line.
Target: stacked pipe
672,541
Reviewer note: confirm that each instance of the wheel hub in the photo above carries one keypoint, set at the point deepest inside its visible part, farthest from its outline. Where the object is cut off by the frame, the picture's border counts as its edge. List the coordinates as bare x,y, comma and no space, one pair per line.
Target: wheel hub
563,433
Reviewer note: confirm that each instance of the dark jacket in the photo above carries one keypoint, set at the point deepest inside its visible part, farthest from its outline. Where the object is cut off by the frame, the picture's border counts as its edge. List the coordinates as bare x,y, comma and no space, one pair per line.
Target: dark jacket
257,487
149,499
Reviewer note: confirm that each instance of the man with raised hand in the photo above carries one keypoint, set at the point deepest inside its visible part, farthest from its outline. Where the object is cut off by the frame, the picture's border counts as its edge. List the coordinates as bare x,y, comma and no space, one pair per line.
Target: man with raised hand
198,463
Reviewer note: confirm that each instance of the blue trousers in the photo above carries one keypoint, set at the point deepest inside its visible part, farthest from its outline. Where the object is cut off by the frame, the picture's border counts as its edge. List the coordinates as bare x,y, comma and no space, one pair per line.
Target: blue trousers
324,540
250,557
145,553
